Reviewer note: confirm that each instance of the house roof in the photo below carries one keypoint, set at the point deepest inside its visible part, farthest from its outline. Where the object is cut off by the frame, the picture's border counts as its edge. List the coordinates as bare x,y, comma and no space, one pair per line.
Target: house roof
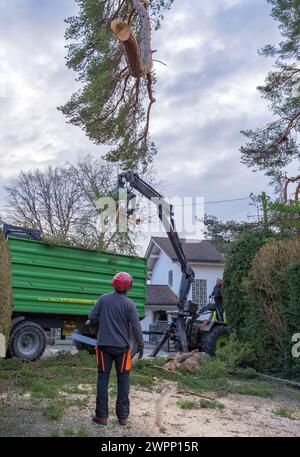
195,250
160,295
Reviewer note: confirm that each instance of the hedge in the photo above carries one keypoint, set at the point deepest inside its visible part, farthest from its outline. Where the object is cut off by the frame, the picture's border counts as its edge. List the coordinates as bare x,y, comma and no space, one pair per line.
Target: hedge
237,264
266,311
5,288
292,312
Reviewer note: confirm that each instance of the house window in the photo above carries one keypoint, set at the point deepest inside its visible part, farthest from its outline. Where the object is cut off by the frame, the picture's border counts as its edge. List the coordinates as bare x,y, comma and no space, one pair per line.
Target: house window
170,278
199,292
160,316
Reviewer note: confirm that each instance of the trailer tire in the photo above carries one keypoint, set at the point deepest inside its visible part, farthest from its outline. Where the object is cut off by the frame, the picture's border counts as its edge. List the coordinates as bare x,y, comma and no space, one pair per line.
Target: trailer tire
28,341
9,354
210,340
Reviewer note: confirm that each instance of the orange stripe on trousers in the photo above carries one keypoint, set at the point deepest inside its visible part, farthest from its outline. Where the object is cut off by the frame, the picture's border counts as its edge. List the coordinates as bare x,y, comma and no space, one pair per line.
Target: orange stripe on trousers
123,362
102,359
128,361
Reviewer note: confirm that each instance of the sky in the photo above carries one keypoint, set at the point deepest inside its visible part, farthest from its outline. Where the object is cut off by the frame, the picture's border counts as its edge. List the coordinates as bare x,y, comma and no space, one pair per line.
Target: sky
206,94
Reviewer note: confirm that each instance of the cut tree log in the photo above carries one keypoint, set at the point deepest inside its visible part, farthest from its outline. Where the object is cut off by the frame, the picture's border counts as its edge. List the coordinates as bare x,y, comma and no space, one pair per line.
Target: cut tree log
121,29
145,46
131,48
192,363
179,358
138,56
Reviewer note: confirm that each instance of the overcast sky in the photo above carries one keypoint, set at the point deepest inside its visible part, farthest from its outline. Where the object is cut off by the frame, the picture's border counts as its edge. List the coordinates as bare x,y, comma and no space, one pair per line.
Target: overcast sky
205,95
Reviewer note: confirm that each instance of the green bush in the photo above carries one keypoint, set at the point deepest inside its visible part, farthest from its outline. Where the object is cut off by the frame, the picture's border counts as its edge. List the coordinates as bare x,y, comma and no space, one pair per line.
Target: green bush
237,356
262,300
234,359
273,316
237,264
5,288
292,309
292,313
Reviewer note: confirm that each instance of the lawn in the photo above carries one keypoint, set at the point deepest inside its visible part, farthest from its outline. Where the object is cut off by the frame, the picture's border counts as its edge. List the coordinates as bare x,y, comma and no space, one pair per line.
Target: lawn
56,396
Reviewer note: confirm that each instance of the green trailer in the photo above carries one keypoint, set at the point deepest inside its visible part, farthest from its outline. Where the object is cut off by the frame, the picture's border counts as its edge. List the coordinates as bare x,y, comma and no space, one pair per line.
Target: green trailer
55,286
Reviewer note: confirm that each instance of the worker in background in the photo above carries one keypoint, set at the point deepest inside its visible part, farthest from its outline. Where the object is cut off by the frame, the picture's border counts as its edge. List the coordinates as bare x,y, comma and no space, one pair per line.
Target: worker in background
218,299
116,317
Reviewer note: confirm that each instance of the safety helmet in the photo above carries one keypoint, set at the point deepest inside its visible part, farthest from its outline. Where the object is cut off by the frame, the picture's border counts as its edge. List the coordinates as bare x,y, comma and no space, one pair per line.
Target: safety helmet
122,282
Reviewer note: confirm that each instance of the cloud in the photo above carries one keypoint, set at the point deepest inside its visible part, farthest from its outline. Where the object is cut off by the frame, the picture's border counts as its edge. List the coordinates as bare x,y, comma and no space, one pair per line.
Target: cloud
34,82
205,95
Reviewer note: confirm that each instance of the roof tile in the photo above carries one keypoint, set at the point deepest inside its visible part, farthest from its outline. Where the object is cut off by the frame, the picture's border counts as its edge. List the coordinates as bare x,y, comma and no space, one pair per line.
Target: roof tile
160,295
195,251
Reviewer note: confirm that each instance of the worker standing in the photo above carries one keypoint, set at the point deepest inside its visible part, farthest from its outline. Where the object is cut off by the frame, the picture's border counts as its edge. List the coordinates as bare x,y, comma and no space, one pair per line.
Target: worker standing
116,318
218,299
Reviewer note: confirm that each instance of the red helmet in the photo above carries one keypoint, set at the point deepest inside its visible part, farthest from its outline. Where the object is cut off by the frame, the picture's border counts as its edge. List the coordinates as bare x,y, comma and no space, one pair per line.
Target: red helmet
122,282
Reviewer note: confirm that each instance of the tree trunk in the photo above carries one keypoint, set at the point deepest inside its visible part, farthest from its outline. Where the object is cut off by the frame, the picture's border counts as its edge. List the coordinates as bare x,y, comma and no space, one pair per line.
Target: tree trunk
138,57
131,48
145,46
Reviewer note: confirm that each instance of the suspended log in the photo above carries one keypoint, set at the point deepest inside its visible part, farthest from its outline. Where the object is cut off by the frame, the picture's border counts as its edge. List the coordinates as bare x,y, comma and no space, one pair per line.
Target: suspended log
131,48
138,54
140,7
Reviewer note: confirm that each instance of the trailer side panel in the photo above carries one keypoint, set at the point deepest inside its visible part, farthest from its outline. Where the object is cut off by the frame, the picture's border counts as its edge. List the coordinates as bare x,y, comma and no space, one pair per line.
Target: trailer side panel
64,280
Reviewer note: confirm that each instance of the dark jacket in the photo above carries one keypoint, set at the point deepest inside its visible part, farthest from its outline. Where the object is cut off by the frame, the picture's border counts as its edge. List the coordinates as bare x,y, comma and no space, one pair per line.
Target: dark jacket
217,294
117,317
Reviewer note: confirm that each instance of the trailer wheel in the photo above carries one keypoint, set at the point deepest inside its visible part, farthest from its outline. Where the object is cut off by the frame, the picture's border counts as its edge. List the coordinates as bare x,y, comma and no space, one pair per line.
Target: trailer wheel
217,338
28,341
9,354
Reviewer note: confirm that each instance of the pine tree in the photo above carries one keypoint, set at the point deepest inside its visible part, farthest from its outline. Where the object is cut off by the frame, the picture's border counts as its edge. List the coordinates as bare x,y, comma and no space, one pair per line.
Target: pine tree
274,146
110,49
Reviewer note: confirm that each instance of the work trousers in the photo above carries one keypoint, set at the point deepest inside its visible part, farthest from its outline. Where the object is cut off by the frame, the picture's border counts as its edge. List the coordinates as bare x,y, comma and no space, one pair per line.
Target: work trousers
105,357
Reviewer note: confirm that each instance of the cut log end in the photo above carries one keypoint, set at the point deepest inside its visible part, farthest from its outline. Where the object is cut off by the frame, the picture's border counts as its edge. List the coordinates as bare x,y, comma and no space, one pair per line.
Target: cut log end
121,29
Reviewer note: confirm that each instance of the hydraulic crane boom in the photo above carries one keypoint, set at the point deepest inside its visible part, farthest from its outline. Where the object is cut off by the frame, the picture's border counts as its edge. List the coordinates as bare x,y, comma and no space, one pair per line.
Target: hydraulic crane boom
166,215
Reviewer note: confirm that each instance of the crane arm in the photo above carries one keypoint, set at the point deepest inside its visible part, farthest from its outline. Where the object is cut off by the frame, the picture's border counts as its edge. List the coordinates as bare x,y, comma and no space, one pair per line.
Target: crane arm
166,215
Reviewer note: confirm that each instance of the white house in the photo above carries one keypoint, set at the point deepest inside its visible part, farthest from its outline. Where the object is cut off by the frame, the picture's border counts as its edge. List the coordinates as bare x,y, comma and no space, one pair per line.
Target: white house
165,275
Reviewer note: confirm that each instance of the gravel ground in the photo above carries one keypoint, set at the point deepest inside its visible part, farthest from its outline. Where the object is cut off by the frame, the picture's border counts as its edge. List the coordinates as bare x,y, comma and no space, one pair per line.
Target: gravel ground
156,413
25,417
156,410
